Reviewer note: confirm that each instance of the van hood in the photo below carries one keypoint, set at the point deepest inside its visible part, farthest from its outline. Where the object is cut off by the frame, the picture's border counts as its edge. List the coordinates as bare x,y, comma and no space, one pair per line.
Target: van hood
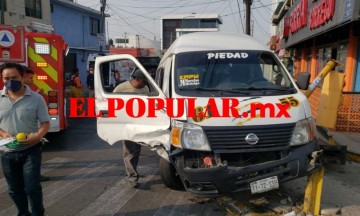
257,110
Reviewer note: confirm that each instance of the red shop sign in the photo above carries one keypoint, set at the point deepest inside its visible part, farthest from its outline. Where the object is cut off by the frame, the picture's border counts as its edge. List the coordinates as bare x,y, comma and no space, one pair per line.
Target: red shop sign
298,17
321,13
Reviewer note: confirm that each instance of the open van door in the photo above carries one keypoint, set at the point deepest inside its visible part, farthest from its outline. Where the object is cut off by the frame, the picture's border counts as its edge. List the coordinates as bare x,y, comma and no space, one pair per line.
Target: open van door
114,123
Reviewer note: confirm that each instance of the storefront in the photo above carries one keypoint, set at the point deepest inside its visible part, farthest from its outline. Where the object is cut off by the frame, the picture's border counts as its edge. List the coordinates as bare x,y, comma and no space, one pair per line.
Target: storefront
315,31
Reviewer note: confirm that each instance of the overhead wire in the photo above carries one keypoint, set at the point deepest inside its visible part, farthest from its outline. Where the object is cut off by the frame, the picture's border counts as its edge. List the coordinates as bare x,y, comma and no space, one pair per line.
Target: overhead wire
140,15
178,8
157,10
242,25
150,18
187,5
260,27
269,10
233,16
94,6
127,16
252,8
207,5
131,26
261,15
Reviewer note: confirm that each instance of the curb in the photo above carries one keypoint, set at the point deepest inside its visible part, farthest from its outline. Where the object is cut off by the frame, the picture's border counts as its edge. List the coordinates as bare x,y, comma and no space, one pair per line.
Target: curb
353,157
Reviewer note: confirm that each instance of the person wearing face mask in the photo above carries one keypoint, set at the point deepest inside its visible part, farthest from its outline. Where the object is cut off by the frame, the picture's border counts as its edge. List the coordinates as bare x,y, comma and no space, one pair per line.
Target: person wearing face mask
21,111
90,81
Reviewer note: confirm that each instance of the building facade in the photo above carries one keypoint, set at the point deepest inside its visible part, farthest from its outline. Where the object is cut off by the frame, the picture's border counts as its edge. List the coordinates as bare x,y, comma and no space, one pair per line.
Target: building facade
138,42
173,26
311,32
22,12
79,26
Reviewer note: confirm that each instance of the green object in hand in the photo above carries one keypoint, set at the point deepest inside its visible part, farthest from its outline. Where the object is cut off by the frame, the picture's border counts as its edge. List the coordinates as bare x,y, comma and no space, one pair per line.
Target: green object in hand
13,144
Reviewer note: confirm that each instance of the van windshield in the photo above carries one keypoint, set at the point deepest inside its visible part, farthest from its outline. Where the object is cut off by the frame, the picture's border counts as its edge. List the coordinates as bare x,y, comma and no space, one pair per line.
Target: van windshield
230,72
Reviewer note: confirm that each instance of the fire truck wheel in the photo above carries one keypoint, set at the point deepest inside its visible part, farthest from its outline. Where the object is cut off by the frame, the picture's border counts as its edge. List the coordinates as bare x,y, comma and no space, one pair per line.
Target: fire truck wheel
169,175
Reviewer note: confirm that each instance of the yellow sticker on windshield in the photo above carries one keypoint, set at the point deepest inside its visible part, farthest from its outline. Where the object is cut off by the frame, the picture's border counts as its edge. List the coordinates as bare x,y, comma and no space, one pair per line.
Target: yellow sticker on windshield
189,80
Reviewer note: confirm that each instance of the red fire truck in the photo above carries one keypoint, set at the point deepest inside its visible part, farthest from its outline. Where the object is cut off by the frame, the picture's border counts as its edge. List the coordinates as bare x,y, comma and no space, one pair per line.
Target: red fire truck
43,53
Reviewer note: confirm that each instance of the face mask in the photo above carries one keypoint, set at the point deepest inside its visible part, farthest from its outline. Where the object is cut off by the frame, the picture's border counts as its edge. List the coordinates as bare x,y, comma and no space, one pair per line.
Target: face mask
13,85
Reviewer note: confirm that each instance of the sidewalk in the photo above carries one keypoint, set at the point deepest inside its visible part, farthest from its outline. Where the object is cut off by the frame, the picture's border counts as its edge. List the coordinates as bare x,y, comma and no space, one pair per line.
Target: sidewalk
352,141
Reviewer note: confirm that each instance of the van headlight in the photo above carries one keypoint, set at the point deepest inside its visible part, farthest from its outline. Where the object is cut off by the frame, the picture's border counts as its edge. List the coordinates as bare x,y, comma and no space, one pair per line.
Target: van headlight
304,132
188,136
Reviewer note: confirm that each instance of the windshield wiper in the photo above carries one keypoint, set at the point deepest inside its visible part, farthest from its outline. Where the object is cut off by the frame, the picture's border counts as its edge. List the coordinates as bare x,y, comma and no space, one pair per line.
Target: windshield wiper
205,89
241,91
216,89
198,89
265,88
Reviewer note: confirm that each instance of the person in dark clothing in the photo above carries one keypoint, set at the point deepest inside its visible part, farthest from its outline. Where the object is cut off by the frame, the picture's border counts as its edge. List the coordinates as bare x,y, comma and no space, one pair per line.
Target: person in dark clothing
131,150
90,82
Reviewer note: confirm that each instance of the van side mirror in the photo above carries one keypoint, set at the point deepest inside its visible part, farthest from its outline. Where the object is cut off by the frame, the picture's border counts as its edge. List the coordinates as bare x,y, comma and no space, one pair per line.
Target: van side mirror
303,80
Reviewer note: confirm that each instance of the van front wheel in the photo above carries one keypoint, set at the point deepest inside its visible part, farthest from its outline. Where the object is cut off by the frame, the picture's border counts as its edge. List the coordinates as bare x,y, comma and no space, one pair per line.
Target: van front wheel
169,175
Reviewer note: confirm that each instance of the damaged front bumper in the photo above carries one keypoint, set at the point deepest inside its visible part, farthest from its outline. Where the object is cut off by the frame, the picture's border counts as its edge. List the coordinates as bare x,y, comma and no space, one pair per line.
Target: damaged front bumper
222,178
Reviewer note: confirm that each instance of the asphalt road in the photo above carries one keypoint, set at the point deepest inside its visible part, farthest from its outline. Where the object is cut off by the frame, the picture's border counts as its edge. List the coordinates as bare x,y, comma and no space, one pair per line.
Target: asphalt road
88,178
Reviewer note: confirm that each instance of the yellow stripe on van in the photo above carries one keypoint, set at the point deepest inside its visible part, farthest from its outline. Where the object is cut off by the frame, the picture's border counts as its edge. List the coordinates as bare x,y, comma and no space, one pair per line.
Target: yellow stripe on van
37,58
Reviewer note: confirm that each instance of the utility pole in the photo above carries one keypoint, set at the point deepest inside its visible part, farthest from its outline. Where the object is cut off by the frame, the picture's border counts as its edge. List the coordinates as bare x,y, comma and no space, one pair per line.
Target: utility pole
248,4
2,11
252,27
102,22
125,42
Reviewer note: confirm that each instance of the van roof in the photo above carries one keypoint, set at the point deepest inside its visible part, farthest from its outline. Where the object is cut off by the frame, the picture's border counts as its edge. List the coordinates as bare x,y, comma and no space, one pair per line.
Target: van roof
203,41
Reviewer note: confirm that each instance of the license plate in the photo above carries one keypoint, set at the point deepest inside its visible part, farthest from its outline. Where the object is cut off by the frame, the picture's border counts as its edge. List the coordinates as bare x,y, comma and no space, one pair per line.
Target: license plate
263,185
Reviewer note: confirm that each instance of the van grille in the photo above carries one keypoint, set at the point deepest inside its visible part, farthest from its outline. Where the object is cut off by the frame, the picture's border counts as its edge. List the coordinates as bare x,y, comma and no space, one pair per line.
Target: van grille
232,139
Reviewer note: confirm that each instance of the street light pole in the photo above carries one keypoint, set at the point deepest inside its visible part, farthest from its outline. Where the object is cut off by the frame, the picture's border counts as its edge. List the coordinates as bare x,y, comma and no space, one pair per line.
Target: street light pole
125,42
2,11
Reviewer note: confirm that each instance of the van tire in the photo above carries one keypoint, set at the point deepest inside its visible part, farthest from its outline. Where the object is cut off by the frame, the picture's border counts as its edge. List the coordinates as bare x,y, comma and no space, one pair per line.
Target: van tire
169,175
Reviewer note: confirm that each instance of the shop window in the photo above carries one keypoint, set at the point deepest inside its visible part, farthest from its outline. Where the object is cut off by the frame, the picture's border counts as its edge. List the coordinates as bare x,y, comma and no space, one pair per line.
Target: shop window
341,55
327,54
308,60
297,62
320,63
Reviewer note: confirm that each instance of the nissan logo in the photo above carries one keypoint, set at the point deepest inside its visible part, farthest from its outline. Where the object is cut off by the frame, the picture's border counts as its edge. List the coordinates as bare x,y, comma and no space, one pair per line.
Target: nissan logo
251,139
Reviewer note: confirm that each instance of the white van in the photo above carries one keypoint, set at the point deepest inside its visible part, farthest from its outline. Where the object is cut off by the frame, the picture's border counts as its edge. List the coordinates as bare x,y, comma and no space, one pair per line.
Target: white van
206,154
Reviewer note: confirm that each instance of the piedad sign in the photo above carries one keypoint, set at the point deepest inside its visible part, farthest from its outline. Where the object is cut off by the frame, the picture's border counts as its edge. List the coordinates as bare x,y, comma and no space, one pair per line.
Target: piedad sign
12,44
